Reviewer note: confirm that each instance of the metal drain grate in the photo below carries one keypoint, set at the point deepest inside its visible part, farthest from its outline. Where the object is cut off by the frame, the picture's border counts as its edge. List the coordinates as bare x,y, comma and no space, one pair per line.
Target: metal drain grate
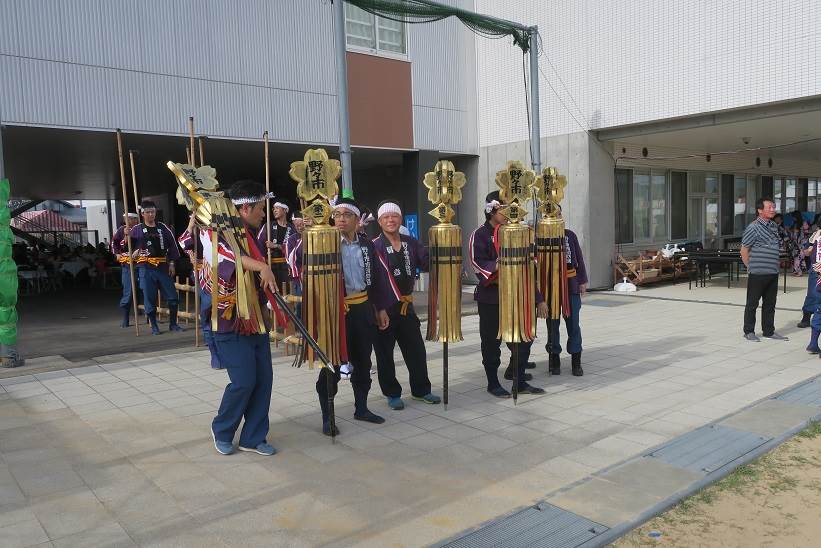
544,525
709,448
806,394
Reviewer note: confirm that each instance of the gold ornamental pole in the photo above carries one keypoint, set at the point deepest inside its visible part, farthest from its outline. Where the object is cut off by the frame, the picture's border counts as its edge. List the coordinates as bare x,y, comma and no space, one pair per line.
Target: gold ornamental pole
517,290
127,231
323,285
444,185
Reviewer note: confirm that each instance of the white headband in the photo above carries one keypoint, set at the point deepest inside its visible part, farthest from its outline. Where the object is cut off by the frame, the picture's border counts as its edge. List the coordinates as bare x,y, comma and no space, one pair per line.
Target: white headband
283,206
388,207
252,199
491,205
133,215
352,208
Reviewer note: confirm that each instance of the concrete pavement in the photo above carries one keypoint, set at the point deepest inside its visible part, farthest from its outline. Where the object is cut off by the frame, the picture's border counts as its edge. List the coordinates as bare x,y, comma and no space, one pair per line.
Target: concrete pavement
120,454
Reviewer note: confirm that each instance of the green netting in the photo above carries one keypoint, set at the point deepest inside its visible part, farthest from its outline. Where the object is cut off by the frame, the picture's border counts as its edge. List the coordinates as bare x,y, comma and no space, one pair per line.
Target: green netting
424,11
8,273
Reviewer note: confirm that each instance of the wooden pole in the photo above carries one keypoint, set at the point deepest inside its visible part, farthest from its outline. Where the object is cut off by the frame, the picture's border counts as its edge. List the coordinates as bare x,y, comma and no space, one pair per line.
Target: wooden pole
134,181
126,230
200,141
195,232
268,215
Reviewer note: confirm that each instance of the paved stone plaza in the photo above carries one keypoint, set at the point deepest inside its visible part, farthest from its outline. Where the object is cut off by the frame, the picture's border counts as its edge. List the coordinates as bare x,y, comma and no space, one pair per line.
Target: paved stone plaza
120,454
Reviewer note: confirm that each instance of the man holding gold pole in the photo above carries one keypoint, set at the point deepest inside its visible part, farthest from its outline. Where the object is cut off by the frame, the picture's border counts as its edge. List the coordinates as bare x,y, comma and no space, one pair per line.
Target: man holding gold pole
484,258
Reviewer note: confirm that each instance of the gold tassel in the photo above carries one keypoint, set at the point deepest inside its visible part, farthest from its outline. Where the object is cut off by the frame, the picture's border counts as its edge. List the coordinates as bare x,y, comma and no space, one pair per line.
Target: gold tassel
550,256
445,283
322,259
517,302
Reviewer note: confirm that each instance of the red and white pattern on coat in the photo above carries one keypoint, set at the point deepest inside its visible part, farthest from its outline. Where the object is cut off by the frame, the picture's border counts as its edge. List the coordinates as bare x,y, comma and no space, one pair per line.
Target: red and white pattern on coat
227,288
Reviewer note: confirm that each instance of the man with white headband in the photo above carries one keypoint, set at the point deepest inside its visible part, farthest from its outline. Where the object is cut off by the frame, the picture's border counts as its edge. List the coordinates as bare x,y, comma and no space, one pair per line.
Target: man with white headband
119,247
368,295
484,257
403,255
244,352
281,230
155,249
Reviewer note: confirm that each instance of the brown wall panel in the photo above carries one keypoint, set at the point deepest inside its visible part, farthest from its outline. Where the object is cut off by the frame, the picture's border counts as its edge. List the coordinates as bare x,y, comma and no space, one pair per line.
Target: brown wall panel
380,101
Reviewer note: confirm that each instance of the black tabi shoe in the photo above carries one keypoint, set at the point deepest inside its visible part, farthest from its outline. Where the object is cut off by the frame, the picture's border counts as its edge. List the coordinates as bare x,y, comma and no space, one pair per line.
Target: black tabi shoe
326,429
555,365
805,320
527,389
530,365
509,375
577,364
368,416
126,317
499,392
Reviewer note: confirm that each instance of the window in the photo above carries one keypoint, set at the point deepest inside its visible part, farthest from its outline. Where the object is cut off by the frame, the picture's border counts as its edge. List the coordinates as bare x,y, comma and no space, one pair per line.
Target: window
789,195
812,196
778,193
624,206
365,30
658,196
641,205
739,204
649,205
678,205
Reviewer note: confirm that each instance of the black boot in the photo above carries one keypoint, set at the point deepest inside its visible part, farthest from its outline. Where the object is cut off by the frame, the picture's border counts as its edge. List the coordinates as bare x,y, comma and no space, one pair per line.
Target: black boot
152,319
509,374
555,365
126,314
805,320
172,319
361,411
576,360
327,428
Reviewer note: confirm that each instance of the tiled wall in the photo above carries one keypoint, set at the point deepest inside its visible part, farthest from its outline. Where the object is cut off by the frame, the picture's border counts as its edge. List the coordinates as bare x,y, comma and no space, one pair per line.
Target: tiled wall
612,62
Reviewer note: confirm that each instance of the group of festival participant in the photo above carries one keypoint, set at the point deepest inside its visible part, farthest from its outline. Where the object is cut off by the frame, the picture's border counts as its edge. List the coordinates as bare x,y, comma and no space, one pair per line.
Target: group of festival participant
153,252
379,276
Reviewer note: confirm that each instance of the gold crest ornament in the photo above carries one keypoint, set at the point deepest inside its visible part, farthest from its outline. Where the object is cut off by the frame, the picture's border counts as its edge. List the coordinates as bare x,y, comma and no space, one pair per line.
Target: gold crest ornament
517,297
323,288
550,249
316,176
444,186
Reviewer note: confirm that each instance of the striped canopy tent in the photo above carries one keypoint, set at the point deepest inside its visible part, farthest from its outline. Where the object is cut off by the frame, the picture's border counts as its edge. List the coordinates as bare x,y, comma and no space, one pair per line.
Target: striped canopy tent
44,220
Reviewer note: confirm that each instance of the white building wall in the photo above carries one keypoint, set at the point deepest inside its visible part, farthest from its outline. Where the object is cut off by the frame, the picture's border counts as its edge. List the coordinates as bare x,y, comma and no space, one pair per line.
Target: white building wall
613,62
239,67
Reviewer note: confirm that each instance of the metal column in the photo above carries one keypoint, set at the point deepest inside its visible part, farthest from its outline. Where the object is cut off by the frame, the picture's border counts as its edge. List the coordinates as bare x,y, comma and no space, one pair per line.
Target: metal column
342,97
535,133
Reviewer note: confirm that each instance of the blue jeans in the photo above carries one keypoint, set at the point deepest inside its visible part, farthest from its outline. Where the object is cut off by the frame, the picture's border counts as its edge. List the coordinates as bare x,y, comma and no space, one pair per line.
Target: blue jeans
812,294
151,280
125,280
574,332
205,325
247,359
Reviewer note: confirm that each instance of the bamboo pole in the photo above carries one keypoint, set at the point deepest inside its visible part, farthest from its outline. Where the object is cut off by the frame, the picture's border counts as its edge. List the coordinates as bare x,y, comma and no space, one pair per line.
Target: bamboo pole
195,239
268,213
126,230
200,142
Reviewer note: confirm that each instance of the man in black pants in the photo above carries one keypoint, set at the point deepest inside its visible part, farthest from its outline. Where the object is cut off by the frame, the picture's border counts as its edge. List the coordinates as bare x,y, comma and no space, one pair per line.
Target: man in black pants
403,255
484,259
760,251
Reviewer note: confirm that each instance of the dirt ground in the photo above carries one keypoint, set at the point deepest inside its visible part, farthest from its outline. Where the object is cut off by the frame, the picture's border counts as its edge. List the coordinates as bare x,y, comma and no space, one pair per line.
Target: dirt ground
773,501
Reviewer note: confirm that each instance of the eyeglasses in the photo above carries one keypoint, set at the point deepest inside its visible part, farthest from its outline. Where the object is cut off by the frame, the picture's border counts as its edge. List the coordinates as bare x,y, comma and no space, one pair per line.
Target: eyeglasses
343,214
